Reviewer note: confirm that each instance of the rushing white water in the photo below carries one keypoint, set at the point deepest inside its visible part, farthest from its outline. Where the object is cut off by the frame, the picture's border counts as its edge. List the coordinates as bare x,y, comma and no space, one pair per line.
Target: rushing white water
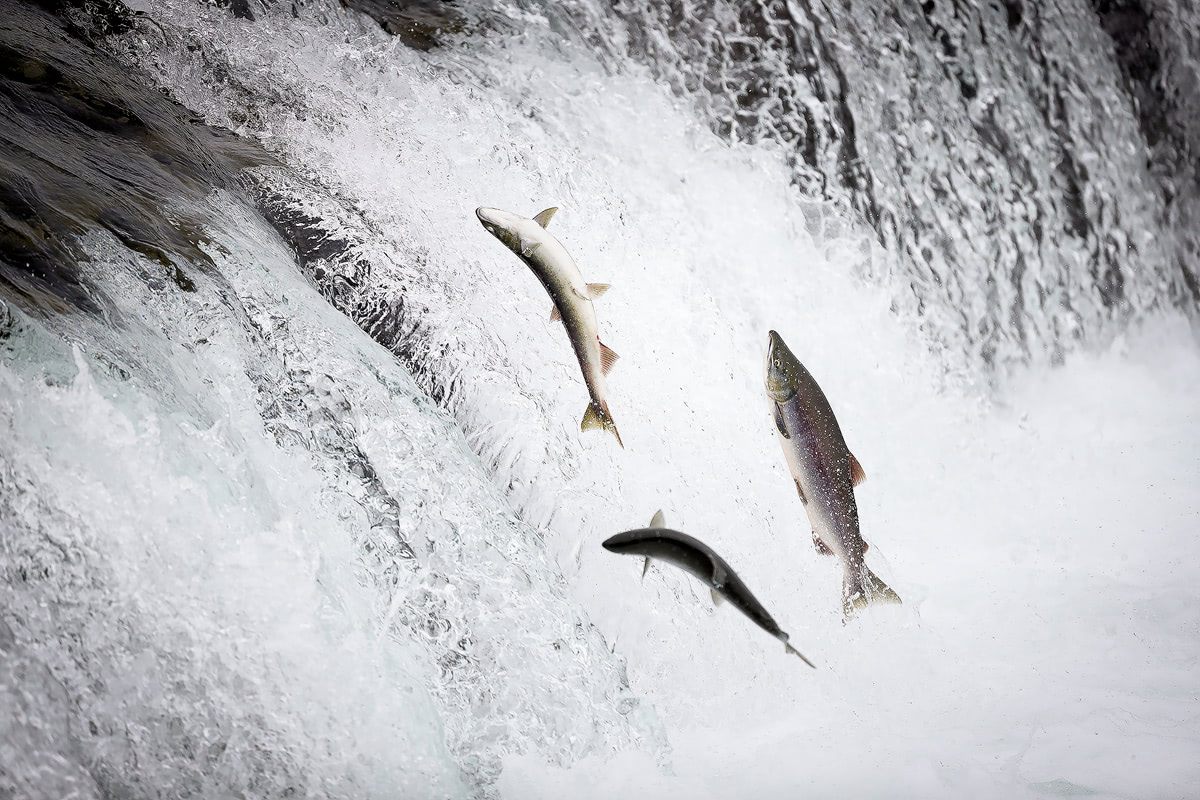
177,569
259,560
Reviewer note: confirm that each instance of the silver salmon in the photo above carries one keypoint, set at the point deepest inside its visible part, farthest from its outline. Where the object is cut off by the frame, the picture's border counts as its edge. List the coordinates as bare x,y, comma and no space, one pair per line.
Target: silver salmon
571,298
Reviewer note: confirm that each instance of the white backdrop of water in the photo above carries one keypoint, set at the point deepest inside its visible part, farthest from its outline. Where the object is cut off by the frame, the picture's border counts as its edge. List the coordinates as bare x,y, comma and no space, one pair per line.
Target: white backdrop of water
1042,539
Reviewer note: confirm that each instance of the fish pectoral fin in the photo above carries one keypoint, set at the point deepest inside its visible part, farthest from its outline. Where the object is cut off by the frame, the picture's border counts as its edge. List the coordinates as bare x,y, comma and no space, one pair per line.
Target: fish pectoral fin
821,547
595,290
780,425
658,520
607,358
857,475
554,315
800,491
582,294
645,567
716,597
543,218
528,247
719,575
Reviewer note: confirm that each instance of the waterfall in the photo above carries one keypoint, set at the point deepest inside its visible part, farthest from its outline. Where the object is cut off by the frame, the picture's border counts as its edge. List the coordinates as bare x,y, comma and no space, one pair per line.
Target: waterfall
293,495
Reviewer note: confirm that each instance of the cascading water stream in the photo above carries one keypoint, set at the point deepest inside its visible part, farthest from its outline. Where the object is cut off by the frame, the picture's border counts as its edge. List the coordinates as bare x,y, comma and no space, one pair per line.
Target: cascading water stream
296,502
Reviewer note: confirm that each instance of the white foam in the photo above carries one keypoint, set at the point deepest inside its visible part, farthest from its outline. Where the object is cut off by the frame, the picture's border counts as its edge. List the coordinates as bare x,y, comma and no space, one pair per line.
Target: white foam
1042,543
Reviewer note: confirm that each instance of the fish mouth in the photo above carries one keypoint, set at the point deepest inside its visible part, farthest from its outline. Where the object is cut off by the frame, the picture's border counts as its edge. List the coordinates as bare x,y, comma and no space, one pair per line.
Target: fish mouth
494,222
618,543
629,542
774,343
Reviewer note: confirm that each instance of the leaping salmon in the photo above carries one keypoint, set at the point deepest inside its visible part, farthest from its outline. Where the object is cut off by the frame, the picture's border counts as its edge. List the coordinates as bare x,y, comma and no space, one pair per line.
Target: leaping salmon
571,298
696,558
825,472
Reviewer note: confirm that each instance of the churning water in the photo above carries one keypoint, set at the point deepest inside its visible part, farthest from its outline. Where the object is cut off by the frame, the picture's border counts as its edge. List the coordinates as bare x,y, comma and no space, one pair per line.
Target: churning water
296,504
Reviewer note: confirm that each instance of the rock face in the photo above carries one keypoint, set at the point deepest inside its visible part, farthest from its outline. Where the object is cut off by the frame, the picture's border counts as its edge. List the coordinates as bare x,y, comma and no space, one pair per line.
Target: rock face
1032,164
418,23
72,120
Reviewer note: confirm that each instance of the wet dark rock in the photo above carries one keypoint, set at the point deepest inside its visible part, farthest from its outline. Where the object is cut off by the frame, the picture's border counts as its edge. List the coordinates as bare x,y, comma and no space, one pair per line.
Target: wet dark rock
1128,24
420,24
1150,41
307,235
91,19
1015,12
88,148
243,9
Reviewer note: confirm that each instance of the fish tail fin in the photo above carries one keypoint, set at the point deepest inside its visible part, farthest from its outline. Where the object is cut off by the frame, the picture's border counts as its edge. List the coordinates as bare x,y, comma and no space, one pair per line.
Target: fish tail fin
597,416
787,648
865,590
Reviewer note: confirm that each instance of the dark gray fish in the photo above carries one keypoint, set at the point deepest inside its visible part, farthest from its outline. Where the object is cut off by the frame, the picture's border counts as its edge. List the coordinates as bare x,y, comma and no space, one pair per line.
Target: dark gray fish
825,472
698,559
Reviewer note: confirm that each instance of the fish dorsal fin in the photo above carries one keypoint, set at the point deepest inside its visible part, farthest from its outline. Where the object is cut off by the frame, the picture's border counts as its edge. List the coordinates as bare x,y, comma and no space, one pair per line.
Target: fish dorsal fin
597,289
779,423
658,520
857,475
554,315
607,359
716,597
543,218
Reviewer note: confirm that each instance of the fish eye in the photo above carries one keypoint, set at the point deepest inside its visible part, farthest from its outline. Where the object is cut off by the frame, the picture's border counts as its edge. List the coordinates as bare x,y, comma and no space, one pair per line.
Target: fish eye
777,362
